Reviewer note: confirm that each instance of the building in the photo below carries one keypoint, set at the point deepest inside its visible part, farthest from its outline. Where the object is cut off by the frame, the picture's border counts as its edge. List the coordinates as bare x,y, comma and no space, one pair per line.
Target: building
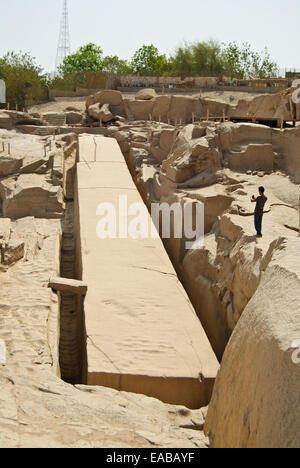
292,74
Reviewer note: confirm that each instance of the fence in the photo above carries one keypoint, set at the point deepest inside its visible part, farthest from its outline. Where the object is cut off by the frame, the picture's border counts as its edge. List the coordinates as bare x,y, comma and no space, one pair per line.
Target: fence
83,80
86,83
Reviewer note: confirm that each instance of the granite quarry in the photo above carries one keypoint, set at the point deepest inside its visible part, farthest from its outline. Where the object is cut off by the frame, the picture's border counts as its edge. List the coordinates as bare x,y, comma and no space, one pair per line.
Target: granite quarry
143,342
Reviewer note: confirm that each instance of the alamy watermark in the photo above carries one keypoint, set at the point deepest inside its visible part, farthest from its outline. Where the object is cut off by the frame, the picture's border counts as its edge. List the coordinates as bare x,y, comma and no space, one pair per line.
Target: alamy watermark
179,221
296,93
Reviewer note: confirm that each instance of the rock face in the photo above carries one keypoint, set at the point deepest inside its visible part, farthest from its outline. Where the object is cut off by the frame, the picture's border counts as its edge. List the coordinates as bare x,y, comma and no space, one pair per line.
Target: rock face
257,157
276,107
255,401
138,110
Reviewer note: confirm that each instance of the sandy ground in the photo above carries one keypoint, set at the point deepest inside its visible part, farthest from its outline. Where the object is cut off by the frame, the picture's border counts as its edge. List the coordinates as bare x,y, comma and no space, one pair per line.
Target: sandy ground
60,104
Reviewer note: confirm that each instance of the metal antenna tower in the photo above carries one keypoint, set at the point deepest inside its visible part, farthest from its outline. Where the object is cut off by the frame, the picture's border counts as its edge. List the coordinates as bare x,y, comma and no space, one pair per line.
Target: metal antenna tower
63,49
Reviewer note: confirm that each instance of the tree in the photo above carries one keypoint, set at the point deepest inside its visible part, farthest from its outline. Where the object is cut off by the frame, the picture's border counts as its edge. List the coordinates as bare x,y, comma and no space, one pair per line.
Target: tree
240,61
207,58
147,61
182,61
87,58
23,77
263,66
212,58
198,59
115,65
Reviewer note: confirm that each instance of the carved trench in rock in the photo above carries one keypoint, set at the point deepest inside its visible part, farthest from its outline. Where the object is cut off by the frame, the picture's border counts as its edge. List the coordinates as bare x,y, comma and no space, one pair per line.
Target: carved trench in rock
72,337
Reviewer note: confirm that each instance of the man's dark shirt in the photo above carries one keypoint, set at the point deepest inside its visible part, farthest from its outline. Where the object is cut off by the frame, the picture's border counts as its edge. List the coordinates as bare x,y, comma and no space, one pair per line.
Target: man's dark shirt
260,204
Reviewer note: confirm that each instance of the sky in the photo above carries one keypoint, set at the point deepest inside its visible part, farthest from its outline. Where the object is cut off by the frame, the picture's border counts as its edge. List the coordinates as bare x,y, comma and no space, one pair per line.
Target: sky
120,27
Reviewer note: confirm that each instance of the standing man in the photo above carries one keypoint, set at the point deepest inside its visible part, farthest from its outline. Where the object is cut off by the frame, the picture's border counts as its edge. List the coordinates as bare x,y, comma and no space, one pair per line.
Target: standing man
259,210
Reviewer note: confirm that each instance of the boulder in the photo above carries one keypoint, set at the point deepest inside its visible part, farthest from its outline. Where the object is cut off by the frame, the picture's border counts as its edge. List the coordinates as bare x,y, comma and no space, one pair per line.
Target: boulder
145,95
30,195
9,164
73,117
108,96
100,112
191,156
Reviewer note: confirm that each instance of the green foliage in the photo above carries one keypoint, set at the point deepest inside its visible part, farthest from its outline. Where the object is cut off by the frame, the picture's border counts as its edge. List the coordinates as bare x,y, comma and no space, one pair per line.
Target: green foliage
182,62
115,65
87,58
214,59
244,63
198,59
147,61
208,58
23,77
